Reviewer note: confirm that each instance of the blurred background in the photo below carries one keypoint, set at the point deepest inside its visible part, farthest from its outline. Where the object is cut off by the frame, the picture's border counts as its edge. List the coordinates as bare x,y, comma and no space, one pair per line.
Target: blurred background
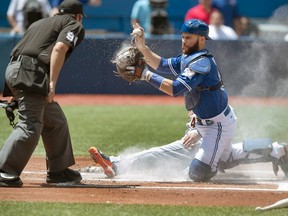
113,16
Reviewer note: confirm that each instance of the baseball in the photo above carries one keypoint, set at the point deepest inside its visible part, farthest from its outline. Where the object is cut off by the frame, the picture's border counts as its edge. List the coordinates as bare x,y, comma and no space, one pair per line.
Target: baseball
137,31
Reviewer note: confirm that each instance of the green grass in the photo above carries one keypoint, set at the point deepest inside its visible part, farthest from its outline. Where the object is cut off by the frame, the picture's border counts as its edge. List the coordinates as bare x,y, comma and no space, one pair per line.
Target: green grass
115,128
75,209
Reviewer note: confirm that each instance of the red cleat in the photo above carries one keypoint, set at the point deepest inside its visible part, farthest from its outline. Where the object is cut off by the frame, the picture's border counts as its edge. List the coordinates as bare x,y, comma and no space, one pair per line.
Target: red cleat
103,161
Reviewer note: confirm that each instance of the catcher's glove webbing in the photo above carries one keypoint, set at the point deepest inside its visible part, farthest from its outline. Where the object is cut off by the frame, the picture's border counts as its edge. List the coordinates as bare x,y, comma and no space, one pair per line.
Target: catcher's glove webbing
130,63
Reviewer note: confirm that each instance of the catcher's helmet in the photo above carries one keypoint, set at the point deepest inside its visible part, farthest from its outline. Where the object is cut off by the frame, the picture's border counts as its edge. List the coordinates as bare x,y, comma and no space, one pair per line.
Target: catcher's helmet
195,26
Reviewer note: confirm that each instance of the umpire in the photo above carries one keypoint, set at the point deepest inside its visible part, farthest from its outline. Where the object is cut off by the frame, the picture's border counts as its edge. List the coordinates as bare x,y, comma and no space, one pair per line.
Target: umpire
31,78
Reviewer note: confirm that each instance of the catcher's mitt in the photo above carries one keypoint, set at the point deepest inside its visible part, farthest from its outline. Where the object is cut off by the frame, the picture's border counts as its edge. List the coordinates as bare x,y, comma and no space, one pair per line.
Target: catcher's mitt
130,64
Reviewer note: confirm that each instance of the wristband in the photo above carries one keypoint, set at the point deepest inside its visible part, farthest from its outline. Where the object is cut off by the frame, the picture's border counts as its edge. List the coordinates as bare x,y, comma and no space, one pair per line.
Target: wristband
156,80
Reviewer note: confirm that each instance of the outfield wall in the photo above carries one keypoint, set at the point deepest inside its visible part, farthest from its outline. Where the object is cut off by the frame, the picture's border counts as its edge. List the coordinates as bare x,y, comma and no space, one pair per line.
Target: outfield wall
249,68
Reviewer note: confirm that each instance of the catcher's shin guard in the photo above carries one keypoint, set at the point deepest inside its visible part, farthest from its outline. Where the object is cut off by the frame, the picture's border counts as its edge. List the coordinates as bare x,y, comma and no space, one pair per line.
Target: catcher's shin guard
260,150
271,151
262,147
282,161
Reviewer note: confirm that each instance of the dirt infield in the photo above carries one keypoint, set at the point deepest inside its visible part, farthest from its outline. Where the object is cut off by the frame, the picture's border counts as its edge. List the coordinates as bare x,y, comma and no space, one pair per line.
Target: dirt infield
223,191
230,189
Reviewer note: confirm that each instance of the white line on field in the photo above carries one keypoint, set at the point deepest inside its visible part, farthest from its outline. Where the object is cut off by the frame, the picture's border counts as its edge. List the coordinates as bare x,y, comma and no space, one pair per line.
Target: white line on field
279,186
210,188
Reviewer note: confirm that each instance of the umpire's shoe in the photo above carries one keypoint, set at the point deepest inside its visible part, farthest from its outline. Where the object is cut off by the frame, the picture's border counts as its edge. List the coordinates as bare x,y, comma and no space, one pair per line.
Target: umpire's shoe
8,180
65,176
103,161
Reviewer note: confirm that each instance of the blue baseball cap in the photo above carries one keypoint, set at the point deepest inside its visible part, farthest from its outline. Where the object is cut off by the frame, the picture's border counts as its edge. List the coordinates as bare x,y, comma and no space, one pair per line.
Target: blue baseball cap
195,26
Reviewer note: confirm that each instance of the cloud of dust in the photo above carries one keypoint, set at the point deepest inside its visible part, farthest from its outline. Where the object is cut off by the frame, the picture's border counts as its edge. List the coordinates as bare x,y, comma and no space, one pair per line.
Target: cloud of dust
263,72
263,62
134,166
259,71
124,44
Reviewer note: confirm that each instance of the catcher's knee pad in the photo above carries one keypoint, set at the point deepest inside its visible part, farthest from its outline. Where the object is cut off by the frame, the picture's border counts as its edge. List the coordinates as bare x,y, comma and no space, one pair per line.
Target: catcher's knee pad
200,172
260,146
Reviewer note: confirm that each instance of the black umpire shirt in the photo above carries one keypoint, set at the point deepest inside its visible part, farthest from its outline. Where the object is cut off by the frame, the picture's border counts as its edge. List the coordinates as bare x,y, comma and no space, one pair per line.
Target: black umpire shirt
40,38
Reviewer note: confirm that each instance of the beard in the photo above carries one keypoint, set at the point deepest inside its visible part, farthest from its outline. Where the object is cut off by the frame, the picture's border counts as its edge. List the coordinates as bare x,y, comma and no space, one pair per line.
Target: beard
191,49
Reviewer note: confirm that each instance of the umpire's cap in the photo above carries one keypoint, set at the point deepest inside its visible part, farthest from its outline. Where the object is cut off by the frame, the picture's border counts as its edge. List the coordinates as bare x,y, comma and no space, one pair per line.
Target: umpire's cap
71,7
195,26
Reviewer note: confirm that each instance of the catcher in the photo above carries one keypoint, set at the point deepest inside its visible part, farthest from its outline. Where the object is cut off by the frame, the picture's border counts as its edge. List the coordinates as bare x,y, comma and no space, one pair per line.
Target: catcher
199,80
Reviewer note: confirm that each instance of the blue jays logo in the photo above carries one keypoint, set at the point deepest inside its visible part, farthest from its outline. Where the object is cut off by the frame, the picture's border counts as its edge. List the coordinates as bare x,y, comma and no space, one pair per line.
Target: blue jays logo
188,73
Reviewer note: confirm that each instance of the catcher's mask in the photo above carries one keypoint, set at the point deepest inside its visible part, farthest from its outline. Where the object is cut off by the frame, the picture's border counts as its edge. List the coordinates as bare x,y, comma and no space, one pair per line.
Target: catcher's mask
195,26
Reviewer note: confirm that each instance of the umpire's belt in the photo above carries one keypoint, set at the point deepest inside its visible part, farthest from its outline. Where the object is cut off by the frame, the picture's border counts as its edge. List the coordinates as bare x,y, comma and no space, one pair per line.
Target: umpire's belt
209,121
34,60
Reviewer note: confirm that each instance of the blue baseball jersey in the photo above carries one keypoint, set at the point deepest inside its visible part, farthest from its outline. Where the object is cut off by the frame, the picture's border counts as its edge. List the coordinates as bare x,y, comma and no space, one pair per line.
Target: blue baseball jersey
198,70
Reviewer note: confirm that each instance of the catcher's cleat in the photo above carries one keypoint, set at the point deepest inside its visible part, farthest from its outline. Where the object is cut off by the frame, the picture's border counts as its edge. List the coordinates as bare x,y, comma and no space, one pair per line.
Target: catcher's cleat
64,176
103,161
7,180
282,162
